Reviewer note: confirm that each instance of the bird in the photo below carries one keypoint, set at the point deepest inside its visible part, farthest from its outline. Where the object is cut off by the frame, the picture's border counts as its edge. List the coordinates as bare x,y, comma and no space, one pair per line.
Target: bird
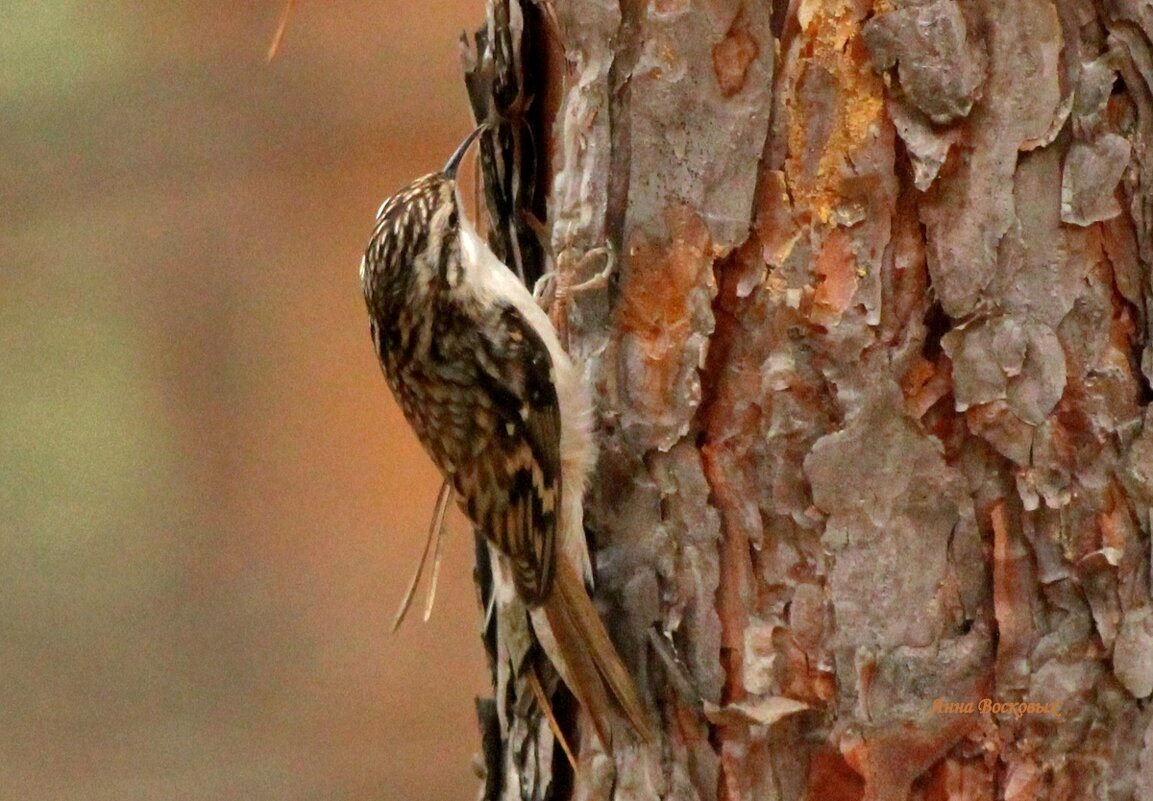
480,374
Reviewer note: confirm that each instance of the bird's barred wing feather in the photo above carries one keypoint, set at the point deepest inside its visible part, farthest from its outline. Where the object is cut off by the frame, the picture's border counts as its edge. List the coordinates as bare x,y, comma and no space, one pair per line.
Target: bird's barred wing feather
511,487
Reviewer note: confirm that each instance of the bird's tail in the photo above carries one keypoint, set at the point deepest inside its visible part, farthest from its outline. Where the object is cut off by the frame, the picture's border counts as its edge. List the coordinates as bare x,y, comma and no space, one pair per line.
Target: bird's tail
588,660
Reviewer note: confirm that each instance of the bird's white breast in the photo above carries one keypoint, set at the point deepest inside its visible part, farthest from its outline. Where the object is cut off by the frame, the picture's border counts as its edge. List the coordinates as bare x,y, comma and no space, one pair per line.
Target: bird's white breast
492,280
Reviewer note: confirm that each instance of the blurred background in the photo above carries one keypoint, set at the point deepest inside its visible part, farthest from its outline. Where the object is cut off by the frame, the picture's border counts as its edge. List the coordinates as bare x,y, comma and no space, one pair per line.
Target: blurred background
209,504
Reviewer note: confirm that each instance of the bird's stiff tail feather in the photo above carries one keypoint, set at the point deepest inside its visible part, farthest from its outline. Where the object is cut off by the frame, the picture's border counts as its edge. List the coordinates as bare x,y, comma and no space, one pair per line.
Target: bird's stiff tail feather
588,659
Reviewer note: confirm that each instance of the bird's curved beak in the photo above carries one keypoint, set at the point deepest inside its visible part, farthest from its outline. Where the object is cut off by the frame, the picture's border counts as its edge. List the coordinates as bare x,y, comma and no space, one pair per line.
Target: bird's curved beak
458,155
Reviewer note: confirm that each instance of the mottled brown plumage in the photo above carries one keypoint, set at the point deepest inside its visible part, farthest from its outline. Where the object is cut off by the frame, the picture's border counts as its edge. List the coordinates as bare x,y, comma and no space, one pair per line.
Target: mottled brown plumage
480,375
473,379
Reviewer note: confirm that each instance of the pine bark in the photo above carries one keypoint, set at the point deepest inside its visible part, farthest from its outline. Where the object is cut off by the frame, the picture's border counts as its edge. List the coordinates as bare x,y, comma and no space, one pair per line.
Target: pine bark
873,383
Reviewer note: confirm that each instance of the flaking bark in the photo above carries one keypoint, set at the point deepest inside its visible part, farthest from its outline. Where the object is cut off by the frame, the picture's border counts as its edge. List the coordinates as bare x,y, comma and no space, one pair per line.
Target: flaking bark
872,377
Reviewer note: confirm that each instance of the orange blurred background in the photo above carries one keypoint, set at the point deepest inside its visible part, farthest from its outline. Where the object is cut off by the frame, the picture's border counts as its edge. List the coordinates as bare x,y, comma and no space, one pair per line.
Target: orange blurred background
210,504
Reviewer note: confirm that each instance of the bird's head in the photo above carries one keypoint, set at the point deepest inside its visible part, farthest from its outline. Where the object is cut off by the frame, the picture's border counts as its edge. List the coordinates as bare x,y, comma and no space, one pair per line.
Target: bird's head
416,230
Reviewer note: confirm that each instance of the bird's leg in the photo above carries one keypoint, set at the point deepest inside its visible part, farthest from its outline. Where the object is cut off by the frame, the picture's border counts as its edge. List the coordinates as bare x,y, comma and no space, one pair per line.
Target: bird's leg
555,288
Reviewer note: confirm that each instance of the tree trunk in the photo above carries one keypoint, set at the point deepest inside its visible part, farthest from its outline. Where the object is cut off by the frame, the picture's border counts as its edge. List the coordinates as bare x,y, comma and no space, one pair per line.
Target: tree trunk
872,372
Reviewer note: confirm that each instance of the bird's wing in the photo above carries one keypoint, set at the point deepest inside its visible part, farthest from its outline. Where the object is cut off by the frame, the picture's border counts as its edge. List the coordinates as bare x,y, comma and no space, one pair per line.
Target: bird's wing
511,486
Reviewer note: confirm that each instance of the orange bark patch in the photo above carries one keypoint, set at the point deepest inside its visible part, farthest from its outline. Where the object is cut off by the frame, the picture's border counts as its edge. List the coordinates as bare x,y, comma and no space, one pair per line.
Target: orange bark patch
999,517
893,757
954,780
731,60
655,302
855,103
925,384
1011,605
1114,521
775,227
1024,781
802,678
836,266
1121,332
831,778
